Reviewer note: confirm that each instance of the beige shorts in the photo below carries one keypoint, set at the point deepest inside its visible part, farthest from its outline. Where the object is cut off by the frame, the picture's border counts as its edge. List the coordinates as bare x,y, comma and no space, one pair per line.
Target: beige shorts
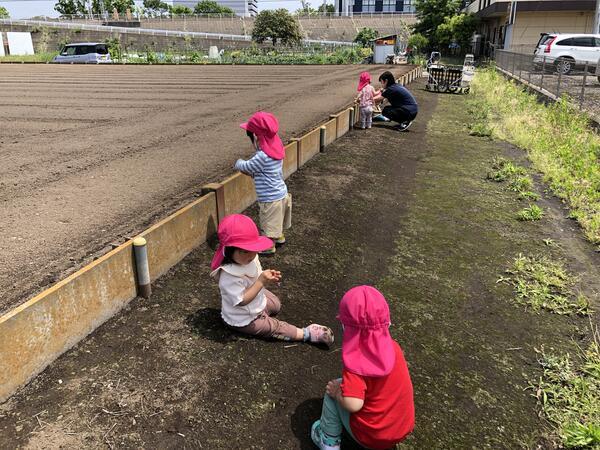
275,216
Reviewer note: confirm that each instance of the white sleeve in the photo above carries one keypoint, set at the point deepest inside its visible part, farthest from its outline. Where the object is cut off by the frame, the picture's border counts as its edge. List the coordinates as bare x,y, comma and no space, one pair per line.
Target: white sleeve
232,289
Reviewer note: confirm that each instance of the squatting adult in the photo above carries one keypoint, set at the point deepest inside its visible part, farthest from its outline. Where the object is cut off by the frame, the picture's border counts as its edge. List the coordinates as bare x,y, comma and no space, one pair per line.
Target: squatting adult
403,107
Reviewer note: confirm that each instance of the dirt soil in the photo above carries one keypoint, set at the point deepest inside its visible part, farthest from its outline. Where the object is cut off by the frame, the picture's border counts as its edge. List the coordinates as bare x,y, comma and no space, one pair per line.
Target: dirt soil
90,155
408,212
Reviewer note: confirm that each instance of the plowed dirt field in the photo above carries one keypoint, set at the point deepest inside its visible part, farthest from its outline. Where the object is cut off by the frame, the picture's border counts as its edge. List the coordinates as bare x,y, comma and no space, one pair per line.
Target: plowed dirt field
92,154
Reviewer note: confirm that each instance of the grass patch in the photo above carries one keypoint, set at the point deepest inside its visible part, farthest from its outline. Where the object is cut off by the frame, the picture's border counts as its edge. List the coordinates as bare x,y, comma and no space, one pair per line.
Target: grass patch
39,57
543,283
504,169
531,213
558,139
569,396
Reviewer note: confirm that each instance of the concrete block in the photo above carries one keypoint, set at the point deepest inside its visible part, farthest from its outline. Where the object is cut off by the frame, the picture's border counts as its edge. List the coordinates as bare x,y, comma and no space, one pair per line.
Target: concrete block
290,162
239,193
40,330
330,131
171,239
343,122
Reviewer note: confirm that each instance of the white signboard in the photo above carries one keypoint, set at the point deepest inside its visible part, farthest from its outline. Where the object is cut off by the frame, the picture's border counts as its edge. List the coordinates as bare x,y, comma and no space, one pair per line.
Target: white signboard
1,46
19,43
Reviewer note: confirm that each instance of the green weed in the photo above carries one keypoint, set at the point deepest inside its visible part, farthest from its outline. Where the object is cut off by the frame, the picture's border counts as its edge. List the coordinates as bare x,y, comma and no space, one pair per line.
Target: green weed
543,283
558,140
531,213
503,169
568,395
528,195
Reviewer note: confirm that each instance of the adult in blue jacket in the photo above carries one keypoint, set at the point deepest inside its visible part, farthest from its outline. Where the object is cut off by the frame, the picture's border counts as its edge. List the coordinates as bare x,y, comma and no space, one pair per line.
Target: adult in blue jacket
403,107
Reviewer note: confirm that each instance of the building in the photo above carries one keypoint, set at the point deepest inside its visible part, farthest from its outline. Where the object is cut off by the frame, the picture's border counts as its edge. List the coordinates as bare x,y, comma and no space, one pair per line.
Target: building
350,7
244,8
517,25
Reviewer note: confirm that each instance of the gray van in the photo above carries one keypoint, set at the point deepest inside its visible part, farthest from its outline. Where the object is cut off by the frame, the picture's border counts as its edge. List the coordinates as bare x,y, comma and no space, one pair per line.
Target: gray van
86,52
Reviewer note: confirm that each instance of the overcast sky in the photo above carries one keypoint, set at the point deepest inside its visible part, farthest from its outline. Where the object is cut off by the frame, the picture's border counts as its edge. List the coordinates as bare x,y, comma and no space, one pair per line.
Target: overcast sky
24,9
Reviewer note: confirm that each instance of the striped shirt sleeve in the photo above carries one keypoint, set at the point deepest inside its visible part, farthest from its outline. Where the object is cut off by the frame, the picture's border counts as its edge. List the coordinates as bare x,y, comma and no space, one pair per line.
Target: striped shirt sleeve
253,166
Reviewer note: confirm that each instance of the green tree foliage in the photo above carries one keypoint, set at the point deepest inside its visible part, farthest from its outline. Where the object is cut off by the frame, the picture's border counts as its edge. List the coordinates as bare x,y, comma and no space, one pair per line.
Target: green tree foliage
418,43
4,13
431,14
108,6
278,25
458,29
156,7
211,7
308,10
365,36
180,10
328,8
70,7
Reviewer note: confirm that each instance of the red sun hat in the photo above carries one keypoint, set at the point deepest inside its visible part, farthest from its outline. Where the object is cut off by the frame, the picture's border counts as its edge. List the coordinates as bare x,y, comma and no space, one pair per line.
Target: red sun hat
363,80
238,231
265,126
367,346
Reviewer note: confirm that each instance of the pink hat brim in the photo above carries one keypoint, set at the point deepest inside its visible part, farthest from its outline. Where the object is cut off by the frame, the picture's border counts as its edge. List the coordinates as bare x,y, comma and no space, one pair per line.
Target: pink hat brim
367,351
256,245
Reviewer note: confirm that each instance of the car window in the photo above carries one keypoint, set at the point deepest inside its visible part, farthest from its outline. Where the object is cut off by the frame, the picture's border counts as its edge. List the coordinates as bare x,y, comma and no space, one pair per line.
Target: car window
584,42
101,49
545,38
68,51
597,42
85,49
570,41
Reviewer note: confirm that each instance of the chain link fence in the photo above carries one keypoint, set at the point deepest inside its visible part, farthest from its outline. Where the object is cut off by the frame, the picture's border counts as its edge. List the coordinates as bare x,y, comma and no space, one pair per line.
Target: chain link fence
558,77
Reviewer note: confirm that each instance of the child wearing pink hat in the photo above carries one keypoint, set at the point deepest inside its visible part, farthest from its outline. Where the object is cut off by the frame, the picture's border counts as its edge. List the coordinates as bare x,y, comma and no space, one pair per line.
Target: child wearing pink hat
266,167
366,93
246,305
373,400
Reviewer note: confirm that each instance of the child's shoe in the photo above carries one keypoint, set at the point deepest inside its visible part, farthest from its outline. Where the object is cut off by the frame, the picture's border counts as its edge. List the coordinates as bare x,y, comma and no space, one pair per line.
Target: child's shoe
268,252
280,240
319,334
321,440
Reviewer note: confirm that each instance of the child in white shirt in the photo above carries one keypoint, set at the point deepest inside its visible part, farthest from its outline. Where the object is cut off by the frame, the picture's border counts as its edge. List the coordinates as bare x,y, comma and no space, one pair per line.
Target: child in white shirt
246,305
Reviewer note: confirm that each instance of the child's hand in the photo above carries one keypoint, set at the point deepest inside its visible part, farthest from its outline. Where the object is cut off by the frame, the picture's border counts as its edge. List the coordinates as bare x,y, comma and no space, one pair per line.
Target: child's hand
333,389
269,276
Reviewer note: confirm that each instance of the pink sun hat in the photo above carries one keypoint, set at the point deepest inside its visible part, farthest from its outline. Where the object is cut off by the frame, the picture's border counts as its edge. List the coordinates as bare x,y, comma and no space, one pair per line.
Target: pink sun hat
363,80
367,347
239,231
265,126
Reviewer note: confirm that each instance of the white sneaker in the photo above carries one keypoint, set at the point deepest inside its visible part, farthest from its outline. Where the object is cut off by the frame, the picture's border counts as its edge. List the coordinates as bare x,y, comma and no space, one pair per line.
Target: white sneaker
317,437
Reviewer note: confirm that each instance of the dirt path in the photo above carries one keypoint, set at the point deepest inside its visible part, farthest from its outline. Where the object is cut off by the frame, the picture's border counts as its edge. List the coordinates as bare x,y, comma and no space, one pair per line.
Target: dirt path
408,212
92,154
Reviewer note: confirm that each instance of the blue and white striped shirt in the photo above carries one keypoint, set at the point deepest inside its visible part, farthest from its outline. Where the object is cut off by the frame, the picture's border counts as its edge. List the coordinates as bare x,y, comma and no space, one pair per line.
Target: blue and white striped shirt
268,176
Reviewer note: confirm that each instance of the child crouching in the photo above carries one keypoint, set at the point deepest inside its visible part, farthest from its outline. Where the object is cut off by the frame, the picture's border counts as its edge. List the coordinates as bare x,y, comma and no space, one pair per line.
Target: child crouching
246,305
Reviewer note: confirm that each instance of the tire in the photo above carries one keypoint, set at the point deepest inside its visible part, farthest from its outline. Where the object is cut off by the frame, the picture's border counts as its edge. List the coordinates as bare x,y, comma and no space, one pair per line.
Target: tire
453,89
466,90
564,66
598,79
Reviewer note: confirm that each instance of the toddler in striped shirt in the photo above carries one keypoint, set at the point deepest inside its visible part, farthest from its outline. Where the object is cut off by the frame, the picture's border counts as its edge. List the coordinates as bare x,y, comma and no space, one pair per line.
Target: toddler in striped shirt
266,167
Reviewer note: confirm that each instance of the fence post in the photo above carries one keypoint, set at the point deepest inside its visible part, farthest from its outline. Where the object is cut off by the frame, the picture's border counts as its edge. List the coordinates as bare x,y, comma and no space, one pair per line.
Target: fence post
582,97
513,64
558,84
520,66
543,72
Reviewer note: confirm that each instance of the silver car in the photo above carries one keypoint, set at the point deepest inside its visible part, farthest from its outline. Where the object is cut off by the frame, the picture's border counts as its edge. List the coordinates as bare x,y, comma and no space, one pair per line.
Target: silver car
87,52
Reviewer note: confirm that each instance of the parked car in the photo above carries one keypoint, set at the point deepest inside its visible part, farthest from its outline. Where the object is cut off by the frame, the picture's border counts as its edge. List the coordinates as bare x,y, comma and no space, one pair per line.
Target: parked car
87,52
568,51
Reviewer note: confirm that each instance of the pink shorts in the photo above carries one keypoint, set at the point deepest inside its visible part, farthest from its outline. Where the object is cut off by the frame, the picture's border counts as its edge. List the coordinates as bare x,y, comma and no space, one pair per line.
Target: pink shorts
266,326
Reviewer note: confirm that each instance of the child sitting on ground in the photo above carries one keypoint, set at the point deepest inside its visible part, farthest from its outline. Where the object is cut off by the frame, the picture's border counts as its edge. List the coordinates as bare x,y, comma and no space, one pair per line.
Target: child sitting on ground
246,305
373,400
266,167
365,96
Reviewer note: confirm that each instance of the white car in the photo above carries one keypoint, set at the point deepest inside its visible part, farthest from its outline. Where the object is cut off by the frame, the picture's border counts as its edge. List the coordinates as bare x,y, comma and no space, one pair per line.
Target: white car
567,51
82,53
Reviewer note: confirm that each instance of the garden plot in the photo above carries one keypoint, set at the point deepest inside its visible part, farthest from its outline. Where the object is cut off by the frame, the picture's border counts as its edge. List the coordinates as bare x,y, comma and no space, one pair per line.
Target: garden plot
93,154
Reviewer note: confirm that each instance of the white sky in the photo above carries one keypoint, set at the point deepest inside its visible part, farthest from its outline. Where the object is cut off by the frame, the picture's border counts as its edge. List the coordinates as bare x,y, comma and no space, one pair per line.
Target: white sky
24,9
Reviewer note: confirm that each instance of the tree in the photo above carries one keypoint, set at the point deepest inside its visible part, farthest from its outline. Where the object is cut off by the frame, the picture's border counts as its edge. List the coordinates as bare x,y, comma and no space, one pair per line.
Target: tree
278,25
457,30
180,10
108,6
365,36
418,43
327,8
70,7
4,13
157,7
211,7
431,14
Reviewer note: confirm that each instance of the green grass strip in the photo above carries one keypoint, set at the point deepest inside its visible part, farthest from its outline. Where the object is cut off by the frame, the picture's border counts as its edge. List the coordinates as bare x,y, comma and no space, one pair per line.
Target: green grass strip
558,139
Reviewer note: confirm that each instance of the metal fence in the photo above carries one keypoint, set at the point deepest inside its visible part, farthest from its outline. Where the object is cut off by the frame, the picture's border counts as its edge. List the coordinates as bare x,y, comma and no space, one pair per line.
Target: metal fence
556,77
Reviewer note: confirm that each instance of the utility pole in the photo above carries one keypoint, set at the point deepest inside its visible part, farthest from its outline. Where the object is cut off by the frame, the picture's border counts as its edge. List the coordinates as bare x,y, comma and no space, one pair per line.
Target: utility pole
596,28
